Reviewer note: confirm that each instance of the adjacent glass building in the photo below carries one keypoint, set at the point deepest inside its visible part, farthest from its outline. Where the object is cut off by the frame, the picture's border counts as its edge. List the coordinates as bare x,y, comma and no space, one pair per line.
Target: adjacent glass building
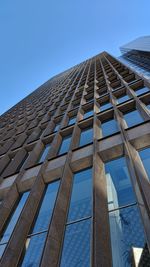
75,170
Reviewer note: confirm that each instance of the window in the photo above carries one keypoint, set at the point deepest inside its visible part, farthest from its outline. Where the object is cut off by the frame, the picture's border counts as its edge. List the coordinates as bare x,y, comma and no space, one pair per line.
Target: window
36,239
21,165
126,228
142,91
72,120
57,126
105,106
76,247
132,118
86,136
123,99
87,114
109,127
65,145
145,157
12,223
148,106
44,153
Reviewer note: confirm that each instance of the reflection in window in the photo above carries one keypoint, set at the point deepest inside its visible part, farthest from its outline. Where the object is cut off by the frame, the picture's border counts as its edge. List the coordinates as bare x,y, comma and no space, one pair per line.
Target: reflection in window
105,106
142,91
65,145
36,239
72,120
86,136
132,118
44,153
123,99
145,157
88,114
148,106
57,126
109,127
76,248
126,228
12,223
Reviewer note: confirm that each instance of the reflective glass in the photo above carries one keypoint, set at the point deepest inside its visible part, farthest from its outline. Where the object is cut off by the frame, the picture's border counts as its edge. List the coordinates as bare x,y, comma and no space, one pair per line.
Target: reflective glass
123,99
86,136
119,187
72,120
14,218
148,106
44,153
145,157
76,248
142,91
109,127
105,106
56,128
132,118
65,145
126,232
34,250
81,198
88,114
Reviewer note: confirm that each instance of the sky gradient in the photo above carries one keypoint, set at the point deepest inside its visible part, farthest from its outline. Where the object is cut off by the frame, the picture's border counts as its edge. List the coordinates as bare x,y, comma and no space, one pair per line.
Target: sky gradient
41,38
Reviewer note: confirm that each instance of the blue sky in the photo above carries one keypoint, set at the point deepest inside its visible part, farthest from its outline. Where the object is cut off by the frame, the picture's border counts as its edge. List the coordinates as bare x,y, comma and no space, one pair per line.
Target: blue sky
40,38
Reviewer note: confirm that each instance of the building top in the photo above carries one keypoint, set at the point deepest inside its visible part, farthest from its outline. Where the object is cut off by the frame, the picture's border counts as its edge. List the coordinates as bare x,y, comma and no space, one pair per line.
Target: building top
142,44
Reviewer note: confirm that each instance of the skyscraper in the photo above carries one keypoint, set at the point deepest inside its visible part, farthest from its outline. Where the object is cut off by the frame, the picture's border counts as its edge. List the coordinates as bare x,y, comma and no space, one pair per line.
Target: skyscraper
137,54
75,170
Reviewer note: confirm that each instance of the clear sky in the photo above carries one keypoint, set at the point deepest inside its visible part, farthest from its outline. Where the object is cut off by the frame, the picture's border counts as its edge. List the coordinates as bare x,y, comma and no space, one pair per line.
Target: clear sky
40,38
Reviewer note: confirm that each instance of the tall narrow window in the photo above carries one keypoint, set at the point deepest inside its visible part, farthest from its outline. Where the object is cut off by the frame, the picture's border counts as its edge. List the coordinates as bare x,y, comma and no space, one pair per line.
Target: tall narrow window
36,239
65,145
132,118
145,157
109,127
125,223
12,223
44,153
86,136
76,248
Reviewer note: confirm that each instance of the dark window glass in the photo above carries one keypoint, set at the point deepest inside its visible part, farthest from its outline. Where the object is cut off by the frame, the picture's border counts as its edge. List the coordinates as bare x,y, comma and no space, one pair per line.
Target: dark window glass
72,120
126,232
80,205
119,187
86,136
88,114
142,91
105,106
132,118
65,145
76,248
12,223
44,153
109,127
145,157
123,99
36,239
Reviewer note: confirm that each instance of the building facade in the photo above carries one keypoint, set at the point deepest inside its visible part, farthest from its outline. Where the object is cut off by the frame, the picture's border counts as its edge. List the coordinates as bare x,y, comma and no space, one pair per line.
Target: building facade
75,170
136,54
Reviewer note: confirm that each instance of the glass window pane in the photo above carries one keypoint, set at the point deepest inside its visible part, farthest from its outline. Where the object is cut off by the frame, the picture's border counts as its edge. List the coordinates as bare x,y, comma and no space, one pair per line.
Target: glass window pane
65,145
126,232
148,106
145,157
109,127
105,106
76,248
14,218
44,153
46,209
88,114
142,91
56,128
2,248
123,99
81,198
86,136
72,120
119,187
34,250
132,118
